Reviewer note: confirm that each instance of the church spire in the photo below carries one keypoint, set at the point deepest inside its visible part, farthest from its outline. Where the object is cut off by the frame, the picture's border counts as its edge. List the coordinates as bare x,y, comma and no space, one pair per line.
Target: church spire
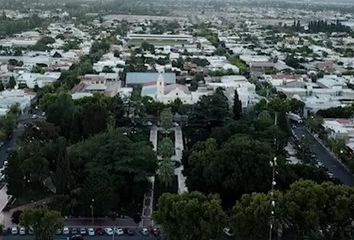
160,85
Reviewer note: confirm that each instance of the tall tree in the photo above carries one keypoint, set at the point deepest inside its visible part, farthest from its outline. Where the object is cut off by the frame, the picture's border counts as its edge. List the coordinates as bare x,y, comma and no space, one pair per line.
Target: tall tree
12,83
61,113
165,148
191,216
307,210
251,215
166,119
237,107
209,112
44,222
62,170
240,165
120,161
15,175
166,172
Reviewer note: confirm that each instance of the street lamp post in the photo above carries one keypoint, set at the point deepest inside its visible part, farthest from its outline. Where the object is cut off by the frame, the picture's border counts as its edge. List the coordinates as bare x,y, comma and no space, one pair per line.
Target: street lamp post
273,164
92,218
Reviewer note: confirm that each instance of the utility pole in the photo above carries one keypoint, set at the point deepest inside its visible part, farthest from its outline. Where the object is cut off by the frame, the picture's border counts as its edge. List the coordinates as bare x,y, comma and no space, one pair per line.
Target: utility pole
92,218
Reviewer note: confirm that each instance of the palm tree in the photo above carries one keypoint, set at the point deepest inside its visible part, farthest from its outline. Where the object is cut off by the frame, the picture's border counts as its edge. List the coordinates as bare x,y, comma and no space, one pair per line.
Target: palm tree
166,171
165,148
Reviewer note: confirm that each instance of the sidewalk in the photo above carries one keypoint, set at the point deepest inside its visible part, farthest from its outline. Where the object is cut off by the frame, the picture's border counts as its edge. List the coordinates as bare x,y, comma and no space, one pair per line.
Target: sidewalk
179,151
5,216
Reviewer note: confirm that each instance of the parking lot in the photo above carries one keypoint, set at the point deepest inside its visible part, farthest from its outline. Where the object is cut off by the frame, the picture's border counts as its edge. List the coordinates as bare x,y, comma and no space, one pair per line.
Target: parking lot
17,233
125,237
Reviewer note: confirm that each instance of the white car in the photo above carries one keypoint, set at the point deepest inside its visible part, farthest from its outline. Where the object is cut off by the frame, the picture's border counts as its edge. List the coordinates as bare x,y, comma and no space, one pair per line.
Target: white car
66,231
30,230
119,231
91,232
109,231
145,231
22,231
83,231
14,231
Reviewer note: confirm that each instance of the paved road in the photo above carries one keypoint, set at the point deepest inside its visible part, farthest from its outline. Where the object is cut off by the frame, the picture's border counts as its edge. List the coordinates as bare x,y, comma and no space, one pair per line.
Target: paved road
18,131
325,157
136,237
10,143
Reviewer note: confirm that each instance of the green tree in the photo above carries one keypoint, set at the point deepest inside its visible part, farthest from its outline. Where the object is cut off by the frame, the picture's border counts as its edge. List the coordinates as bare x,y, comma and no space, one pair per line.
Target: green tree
165,148
62,170
107,69
237,107
99,186
251,215
12,82
209,112
166,172
36,88
2,88
15,175
61,112
214,169
307,211
191,216
44,222
166,119
119,159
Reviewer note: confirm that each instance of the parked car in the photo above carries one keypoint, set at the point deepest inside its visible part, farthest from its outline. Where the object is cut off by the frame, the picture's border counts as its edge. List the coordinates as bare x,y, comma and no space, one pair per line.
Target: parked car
30,230
66,231
22,231
109,231
76,237
83,231
14,231
58,232
155,232
74,231
100,231
119,231
130,232
145,231
91,232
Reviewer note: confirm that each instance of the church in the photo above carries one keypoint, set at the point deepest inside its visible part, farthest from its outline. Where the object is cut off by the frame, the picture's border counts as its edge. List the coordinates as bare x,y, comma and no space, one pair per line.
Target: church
162,92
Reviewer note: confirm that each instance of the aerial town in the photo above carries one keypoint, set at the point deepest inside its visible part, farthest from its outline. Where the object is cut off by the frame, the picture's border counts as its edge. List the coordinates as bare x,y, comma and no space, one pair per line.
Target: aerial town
176,120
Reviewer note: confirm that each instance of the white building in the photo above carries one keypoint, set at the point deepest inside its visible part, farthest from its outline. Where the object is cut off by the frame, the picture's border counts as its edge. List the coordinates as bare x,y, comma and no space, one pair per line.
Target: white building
107,84
282,79
161,92
245,90
18,97
31,79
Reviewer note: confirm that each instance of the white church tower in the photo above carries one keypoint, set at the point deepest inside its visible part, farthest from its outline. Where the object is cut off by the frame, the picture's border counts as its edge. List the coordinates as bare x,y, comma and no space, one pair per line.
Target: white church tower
160,84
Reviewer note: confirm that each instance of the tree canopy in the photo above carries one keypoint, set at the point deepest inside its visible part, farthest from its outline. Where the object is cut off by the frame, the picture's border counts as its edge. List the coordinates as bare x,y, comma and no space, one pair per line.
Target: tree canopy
190,216
43,221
